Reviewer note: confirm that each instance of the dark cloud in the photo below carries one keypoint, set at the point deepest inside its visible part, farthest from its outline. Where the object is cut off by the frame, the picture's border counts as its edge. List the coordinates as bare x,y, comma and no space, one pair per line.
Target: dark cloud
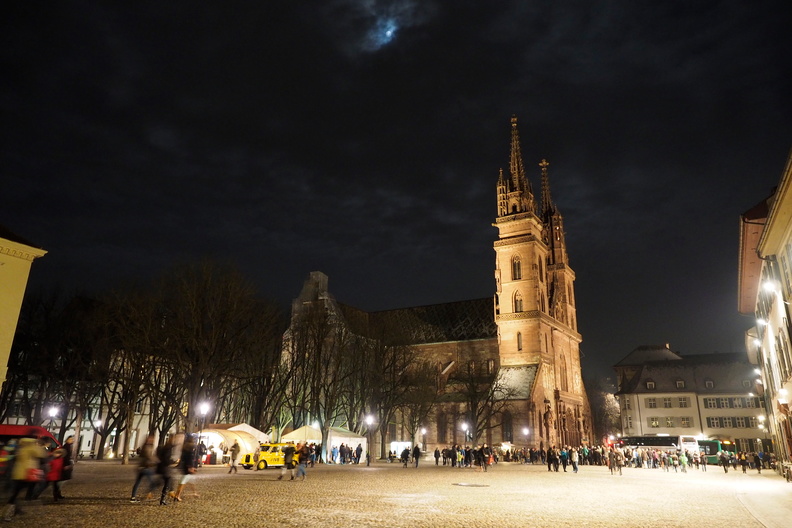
364,138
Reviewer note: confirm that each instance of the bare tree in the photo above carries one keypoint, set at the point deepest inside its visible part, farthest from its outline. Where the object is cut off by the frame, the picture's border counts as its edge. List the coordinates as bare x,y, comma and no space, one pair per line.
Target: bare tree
486,395
605,411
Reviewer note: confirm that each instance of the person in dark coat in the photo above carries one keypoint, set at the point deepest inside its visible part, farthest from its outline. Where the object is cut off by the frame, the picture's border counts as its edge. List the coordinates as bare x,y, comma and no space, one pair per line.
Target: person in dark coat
164,461
186,466
416,454
68,465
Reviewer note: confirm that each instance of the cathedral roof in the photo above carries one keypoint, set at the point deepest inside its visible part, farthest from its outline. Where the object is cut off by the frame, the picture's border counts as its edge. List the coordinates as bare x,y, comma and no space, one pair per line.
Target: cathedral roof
517,381
436,323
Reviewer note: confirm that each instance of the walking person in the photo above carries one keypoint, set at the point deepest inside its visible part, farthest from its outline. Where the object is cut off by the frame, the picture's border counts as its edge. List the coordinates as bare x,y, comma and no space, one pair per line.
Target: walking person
26,472
234,453
437,457
416,454
53,475
146,467
68,465
186,466
574,457
164,470
486,456
304,457
288,462
405,456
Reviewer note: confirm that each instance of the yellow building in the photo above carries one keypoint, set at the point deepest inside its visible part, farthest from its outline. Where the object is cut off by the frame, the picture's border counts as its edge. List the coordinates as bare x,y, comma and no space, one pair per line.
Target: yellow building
16,256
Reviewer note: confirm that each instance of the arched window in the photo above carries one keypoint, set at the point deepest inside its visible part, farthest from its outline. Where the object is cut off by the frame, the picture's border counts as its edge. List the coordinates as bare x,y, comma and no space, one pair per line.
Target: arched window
564,382
441,428
518,303
508,428
490,366
516,268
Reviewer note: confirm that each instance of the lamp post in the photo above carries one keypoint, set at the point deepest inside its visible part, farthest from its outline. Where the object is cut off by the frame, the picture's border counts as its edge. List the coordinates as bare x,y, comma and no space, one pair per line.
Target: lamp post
204,409
369,423
466,429
53,412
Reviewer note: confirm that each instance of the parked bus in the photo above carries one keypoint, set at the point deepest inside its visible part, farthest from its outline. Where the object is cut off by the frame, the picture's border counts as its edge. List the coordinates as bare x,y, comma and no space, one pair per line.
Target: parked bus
664,442
711,448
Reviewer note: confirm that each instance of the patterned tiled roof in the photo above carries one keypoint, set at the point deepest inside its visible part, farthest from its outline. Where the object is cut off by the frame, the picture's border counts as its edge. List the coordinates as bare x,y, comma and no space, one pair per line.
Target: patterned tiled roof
436,323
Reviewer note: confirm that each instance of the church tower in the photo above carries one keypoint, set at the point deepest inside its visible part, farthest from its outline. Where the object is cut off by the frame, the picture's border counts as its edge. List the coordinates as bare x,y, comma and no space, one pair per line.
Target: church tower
535,304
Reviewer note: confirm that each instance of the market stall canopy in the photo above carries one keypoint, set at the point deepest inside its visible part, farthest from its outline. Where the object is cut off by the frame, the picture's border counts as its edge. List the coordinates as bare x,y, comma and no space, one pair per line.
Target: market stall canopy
220,437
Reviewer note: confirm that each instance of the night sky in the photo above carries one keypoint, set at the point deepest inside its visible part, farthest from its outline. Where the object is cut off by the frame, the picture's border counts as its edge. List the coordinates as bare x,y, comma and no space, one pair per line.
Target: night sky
364,138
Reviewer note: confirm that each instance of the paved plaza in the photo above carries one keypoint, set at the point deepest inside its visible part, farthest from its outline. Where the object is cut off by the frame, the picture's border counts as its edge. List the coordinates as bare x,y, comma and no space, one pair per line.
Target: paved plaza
429,496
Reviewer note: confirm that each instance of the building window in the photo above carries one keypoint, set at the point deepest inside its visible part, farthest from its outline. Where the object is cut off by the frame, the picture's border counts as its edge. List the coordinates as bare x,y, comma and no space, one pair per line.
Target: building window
751,403
752,422
737,403
746,384
680,384
724,403
516,268
685,421
727,422
713,422
739,422
518,303
666,403
628,422
654,422
627,405
519,341
508,433
490,366
650,385
651,403
683,402
709,384
710,403
669,421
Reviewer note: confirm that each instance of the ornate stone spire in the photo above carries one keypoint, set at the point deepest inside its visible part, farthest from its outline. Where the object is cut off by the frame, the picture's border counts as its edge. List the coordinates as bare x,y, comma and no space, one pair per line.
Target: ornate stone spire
519,196
548,208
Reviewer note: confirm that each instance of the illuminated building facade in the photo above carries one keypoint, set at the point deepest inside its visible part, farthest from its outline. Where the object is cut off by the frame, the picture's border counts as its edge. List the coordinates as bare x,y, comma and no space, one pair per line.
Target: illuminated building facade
524,338
765,292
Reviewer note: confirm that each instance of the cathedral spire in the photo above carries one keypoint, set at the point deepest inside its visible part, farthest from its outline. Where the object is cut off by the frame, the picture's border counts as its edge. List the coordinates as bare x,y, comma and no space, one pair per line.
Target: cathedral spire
547,203
516,194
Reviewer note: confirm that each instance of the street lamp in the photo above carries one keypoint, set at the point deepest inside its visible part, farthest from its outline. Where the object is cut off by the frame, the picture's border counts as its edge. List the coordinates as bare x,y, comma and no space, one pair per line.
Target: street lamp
369,422
203,408
466,429
423,434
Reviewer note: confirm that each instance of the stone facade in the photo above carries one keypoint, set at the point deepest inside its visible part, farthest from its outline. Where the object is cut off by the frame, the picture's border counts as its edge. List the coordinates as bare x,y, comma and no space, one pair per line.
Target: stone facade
524,337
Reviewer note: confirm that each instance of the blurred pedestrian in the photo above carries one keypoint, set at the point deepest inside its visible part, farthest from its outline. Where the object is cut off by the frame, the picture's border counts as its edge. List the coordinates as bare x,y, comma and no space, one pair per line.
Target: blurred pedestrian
146,467
186,466
304,458
234,453
164,470
26,473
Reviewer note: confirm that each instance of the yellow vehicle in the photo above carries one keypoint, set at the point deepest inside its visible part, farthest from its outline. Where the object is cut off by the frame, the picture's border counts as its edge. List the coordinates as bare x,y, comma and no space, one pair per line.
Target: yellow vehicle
270,455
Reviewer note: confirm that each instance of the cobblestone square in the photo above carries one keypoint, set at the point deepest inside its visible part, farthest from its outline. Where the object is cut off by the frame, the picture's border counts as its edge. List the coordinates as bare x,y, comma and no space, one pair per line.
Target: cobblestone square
390,495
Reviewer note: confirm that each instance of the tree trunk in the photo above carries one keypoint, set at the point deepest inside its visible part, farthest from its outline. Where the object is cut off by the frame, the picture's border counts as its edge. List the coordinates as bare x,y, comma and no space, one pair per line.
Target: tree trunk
130,418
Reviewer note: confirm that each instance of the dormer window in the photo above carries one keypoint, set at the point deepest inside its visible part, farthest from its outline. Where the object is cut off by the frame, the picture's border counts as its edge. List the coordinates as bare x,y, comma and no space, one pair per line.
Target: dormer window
680,384
709,384
650,385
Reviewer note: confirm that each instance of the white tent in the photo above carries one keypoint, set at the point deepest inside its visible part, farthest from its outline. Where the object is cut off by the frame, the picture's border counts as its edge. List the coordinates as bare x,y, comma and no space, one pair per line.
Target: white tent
335,437
218,436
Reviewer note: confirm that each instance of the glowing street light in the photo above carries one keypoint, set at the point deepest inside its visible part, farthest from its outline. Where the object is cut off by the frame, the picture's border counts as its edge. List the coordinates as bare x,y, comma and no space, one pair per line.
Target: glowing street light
369,423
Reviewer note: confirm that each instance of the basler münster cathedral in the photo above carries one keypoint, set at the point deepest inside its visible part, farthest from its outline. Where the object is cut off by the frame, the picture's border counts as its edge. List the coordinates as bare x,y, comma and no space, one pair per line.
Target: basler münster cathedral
522,342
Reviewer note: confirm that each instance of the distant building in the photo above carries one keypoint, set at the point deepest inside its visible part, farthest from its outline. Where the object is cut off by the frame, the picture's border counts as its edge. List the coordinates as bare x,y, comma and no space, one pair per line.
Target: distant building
526,334
711,396
765,292
16,257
